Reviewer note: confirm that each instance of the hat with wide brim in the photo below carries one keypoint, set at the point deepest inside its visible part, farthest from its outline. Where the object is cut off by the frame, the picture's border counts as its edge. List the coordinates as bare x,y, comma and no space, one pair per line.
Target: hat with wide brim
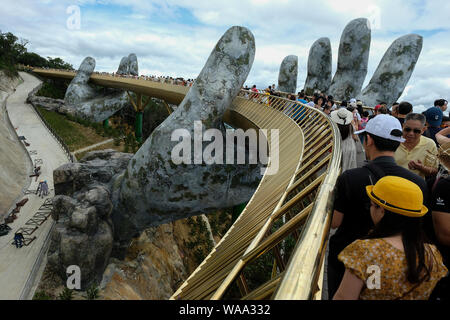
398,195
342,116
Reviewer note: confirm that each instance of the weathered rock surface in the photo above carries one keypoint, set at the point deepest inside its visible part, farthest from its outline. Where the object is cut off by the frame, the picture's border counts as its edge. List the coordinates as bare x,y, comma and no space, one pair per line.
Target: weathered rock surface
128,65
154,190
83,234
394,71
156,264
352,60
97,105
287,77
319,67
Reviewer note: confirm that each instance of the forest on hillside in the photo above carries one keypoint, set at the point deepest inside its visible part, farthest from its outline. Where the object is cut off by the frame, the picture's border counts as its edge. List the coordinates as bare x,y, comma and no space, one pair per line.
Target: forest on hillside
13,51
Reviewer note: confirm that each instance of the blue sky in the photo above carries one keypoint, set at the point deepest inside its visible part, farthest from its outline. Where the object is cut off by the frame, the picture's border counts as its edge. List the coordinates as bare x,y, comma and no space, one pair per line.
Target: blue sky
175,37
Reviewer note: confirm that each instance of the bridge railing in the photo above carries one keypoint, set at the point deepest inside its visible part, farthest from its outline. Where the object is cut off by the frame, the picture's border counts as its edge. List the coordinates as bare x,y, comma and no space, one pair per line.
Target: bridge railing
63,145
275,249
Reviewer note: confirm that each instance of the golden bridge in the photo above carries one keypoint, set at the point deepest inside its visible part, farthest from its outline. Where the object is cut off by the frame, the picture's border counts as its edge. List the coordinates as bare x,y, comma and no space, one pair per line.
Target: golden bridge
287,220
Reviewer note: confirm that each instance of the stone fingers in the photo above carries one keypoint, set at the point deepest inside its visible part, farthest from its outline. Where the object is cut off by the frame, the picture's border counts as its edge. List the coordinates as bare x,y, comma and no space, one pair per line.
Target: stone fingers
79,90
319,67
393,72
352,60
287,77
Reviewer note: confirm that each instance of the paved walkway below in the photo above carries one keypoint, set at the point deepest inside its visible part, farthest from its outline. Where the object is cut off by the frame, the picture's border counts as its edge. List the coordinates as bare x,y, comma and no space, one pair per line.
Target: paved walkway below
92,146
18,264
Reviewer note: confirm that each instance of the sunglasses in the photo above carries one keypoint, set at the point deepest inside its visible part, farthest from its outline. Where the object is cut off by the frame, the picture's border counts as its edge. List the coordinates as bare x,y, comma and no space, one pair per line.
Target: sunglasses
416,131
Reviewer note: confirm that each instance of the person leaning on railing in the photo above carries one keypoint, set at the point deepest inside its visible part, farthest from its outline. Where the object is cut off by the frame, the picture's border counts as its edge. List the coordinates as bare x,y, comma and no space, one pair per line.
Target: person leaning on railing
393,262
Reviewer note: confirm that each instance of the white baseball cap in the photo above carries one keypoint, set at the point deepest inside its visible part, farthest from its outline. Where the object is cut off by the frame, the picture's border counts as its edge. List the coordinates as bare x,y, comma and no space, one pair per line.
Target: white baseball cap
384,126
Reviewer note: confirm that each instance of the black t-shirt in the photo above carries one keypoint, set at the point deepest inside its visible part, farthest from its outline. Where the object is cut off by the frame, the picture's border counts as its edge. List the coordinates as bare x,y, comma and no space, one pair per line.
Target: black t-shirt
440,202
351,199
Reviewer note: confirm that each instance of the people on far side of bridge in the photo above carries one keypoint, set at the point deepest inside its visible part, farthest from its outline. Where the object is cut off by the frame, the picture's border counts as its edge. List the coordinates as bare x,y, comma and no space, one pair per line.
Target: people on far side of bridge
403,109
344,118
441,104
351,212
301,97
319,102
433,117
393,262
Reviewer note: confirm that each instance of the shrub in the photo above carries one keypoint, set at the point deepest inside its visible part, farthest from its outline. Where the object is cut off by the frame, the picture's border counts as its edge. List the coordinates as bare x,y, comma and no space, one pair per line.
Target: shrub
92,292
41,295
66,294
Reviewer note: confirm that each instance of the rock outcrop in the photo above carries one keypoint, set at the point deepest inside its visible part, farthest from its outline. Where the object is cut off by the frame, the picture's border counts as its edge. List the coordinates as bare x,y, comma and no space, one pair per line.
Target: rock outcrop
287,77
83,235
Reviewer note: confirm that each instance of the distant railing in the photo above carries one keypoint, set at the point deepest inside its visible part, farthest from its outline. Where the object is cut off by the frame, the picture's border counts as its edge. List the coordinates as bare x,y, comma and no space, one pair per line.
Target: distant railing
63,145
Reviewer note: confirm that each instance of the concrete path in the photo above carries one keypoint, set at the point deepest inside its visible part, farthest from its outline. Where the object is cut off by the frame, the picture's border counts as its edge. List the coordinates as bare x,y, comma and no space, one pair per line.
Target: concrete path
92,146
18,265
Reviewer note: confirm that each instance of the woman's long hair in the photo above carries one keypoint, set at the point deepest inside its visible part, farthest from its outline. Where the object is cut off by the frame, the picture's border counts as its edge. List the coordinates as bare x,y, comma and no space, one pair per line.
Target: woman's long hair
345,130
413,239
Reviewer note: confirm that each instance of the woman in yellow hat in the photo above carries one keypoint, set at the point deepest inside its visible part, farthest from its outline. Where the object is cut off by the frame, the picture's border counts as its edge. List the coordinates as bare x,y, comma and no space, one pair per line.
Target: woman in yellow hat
393,261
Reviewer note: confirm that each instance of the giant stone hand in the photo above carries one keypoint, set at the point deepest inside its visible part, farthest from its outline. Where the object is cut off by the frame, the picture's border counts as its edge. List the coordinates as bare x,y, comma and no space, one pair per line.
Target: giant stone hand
97,105
389,79
153,190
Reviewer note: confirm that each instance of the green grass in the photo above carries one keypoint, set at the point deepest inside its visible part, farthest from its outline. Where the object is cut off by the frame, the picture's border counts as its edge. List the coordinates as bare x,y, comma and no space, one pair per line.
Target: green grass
73,134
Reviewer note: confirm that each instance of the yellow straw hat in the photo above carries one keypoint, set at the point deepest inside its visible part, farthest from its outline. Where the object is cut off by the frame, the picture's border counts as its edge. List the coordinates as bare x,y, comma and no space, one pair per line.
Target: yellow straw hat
398,195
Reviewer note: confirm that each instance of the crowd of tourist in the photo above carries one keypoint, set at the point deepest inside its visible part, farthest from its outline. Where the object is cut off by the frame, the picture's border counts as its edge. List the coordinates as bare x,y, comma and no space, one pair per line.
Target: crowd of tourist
391,212
391,219
162,79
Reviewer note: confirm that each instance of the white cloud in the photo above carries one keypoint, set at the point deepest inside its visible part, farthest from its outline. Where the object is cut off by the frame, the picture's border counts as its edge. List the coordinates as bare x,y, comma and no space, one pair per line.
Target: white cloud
175,37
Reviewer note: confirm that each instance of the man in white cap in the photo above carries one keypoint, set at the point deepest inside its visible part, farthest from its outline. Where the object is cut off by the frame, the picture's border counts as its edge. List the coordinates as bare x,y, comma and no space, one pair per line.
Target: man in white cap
351,215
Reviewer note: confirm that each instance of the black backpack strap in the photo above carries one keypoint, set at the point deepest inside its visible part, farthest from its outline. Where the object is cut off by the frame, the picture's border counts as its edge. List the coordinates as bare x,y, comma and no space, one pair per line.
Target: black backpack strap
376,172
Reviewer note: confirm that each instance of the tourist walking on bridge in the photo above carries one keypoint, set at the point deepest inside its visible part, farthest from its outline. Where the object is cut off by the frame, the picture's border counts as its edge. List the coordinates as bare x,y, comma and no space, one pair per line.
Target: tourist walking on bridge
393,262
351,215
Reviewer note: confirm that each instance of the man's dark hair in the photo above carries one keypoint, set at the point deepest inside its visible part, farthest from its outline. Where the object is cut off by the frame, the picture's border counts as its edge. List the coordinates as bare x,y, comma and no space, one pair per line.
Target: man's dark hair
405,108
344,103
382,110
301,94
439,102
365,114
383,144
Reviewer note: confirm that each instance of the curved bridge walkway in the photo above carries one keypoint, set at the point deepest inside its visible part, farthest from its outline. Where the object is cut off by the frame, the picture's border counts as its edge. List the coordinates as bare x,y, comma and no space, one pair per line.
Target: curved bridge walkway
19,266
286,223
